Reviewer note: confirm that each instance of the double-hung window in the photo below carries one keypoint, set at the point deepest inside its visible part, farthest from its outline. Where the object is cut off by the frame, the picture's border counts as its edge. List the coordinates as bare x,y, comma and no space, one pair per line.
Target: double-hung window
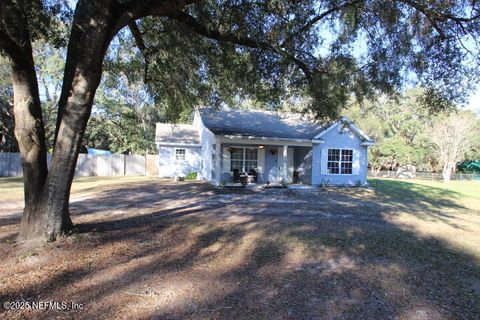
340,161
180,154
236,159
251,159
243,159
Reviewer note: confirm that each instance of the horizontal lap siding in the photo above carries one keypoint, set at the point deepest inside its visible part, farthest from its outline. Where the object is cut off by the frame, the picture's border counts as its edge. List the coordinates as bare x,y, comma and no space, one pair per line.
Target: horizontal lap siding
208,140
168,167
316,164
334,140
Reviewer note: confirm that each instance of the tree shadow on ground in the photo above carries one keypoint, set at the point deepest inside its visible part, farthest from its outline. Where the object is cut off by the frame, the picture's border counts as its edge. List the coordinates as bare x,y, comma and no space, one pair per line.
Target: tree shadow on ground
184,251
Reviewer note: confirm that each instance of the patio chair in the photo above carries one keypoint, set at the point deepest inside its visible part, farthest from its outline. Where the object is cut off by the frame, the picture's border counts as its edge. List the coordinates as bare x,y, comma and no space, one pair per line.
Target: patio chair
236,175
253,175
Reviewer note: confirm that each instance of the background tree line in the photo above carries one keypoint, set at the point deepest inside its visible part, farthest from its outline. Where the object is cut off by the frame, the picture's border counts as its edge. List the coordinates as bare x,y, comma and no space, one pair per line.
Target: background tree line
124,113
408,133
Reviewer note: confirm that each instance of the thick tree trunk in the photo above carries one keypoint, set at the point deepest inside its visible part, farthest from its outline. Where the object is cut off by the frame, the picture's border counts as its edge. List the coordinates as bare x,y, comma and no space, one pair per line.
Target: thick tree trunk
95,24
29,127
91,33
46,212
30,135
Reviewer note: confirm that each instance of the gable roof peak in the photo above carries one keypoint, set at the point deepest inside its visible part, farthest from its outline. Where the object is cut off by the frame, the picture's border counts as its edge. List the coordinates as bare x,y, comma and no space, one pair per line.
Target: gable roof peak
345,121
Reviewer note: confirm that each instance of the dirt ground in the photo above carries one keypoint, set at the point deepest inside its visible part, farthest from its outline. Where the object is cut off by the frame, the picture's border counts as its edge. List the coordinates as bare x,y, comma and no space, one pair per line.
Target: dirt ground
151,249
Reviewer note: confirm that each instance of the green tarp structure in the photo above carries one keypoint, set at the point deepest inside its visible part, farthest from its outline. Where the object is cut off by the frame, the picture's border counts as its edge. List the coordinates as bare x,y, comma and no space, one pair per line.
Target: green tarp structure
471,166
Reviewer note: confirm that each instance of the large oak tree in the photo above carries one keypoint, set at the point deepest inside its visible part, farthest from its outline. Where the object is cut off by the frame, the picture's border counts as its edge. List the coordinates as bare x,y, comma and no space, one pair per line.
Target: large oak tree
212,51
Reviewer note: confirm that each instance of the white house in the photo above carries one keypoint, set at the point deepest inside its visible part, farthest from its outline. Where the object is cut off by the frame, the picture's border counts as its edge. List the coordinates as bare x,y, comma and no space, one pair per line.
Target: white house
225,145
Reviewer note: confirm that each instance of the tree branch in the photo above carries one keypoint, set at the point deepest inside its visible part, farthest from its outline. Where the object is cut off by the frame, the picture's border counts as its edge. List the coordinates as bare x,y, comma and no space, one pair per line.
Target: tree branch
137,36
146,53
439,16
434,17
13,50
201,29
321,16
423,10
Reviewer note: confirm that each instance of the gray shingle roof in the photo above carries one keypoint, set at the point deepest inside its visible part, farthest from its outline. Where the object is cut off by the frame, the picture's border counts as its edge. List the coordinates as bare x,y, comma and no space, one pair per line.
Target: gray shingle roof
177,133
258,123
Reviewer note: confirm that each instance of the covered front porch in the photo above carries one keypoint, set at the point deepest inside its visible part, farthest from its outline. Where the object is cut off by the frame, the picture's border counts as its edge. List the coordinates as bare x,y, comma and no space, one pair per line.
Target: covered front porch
266,161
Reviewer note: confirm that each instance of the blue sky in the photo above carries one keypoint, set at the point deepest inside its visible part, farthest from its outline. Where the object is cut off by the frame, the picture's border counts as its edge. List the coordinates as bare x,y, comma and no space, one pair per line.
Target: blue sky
474,103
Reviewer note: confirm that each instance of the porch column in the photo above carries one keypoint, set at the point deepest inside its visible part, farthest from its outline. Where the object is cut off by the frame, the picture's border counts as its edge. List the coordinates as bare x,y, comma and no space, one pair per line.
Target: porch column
285,173
218,162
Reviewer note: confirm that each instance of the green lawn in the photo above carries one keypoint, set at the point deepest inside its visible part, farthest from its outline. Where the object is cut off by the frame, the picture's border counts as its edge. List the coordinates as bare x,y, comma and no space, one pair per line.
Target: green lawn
465,193
447,211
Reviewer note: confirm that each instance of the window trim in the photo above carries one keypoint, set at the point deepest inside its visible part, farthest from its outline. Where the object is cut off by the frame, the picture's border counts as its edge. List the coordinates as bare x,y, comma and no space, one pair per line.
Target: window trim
184,154
243,157
340,162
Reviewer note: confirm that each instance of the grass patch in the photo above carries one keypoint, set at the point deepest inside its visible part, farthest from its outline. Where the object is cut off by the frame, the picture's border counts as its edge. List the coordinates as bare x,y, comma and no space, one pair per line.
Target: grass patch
434,193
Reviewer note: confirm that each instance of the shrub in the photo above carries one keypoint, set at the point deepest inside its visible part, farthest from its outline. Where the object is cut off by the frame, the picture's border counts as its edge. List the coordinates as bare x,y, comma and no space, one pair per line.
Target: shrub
191,176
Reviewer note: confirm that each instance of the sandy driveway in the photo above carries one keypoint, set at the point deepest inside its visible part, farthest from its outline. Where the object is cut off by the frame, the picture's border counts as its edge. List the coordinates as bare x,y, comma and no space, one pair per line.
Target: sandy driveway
155,249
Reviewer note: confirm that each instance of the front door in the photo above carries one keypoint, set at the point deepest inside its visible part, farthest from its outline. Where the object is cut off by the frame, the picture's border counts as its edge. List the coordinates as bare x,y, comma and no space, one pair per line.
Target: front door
271,165
274,164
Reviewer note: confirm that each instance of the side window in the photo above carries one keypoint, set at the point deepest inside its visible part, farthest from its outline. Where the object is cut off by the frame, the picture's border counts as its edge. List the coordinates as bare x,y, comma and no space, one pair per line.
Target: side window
340,161
346,162
236,159
333,164
180,154
251,159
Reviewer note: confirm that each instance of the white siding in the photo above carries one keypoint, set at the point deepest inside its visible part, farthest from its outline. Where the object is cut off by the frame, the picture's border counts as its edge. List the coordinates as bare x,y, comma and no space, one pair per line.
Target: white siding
207,139
334,140
169,167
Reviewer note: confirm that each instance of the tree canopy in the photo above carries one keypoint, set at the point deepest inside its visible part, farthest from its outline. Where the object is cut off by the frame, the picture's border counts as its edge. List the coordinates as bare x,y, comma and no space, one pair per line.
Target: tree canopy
225,51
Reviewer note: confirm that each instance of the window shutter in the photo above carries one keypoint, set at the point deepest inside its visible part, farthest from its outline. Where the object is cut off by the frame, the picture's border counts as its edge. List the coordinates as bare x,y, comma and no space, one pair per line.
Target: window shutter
261,160
356,162
226,160
323,161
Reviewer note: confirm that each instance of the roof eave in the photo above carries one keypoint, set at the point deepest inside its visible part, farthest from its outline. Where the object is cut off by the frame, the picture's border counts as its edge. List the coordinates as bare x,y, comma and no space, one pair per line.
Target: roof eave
229,136
244,137
367,143
183,144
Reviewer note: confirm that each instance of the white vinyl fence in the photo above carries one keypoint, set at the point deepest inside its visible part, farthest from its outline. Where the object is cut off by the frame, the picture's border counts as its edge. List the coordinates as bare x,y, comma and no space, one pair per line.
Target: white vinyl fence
91,165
